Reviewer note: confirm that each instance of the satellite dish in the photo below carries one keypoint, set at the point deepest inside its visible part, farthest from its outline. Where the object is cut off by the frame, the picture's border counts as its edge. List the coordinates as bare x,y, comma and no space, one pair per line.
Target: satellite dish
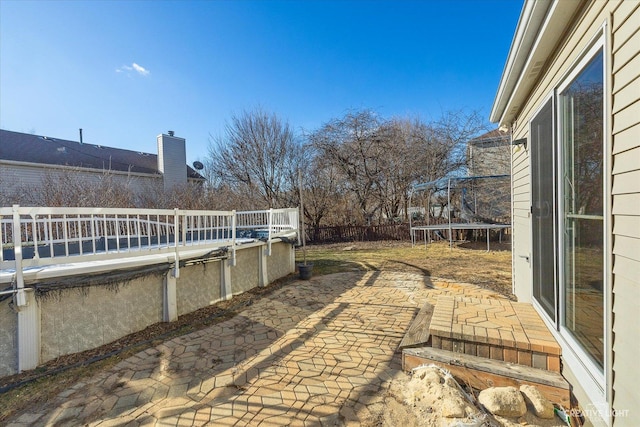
198,165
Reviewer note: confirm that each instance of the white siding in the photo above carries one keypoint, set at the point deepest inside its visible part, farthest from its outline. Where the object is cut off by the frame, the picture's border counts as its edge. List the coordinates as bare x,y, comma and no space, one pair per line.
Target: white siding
15,177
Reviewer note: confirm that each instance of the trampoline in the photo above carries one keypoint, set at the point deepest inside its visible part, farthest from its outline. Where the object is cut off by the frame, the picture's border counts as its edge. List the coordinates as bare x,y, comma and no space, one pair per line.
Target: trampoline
461,203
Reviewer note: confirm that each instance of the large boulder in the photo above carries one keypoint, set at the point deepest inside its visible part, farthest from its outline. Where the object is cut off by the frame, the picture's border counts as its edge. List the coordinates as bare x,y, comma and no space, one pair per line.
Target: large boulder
503,401
539,405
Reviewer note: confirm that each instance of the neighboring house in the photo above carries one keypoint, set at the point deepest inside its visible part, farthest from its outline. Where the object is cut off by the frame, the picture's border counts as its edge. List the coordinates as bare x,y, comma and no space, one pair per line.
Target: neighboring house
26,160
489,154
570,95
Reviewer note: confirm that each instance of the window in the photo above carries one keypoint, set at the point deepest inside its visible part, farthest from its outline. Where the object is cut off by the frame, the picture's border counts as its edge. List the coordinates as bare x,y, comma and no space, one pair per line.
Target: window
568,210
581,115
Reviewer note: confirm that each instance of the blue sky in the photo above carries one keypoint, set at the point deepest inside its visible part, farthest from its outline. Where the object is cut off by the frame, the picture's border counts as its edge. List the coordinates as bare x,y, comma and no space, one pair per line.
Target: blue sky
126,71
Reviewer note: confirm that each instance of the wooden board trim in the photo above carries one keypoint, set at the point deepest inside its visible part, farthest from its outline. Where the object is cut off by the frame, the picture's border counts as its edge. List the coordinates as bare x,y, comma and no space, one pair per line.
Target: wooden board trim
491,373
418,332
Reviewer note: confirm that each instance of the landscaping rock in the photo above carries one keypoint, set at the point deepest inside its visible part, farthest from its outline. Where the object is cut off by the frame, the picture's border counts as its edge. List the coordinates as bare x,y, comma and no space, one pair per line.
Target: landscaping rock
503,401
433,396
537,403
453,408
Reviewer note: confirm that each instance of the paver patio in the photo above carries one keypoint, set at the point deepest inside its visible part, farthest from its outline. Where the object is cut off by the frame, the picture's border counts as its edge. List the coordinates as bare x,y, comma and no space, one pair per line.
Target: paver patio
318,352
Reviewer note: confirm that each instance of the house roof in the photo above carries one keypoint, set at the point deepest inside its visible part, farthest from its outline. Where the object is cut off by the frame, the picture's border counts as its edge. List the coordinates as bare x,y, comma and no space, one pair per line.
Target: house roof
493,137
23,147
540,29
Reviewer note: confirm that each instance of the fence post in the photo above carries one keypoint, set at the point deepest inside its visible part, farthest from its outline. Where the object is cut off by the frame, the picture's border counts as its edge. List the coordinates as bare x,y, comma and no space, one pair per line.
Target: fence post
232,261
294,218
176,226
17,250
28,310
170,312
263,276
269,227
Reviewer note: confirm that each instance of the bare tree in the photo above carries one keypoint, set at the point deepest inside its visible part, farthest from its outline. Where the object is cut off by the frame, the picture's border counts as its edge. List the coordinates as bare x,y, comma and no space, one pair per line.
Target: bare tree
379,160
321,185
400,167
256,155
354,146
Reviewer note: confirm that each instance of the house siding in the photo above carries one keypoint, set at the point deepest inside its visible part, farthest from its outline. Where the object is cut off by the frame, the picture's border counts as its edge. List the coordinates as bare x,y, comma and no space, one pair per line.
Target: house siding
15,177
489,159
624,155
21,177
625,46
521,224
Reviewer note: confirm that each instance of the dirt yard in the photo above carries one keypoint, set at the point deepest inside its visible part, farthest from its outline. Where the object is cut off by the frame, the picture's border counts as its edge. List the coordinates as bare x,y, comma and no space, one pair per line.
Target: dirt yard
468,262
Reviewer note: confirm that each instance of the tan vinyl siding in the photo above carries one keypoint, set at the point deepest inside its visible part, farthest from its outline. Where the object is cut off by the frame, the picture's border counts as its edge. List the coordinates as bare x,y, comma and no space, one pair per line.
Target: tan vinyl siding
626,139
520,222
625,268
626,74
626,96
627,225
625,29
626,204
625,245
627,117
522,208
489,160
627,161
624,54
626,182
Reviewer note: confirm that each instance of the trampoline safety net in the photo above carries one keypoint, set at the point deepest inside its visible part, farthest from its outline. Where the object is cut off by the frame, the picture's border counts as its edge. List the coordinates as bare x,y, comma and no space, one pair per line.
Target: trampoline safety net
462,203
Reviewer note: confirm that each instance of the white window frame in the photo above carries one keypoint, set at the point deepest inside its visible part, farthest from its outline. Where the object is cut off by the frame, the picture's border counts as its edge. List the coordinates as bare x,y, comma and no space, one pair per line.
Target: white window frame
572,352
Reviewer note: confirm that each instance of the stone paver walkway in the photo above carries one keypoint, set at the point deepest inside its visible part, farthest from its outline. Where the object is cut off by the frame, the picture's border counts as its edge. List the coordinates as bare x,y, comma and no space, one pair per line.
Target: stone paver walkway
320,352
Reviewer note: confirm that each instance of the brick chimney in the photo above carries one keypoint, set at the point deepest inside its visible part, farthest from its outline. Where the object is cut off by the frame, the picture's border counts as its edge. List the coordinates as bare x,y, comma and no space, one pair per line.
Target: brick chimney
172,160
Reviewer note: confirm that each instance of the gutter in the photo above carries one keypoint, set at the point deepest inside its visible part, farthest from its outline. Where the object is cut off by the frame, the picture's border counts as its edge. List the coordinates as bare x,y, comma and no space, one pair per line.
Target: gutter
531,17
540,31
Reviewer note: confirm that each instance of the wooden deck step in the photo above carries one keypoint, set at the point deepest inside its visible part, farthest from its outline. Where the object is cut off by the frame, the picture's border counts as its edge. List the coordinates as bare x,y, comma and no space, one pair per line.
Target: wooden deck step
481,373
418,333
497,329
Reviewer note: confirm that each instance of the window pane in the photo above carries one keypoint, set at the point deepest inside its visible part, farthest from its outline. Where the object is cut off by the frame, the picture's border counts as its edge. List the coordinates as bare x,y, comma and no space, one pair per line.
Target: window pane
584,284
581,112
583,126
